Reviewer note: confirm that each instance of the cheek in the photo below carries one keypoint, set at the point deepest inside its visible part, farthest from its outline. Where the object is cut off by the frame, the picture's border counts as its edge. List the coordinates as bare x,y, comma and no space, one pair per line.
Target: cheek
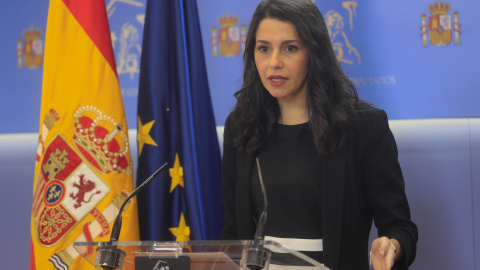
261,62
258,64
302,66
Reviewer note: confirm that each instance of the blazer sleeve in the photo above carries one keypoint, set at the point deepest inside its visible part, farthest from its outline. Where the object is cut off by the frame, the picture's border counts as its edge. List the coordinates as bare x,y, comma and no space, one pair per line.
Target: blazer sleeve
385,186
229,179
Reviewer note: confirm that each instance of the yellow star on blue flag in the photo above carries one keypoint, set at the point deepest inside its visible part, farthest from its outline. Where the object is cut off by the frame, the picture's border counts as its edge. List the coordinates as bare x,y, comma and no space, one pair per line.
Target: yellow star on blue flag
177,174
143,136
182,232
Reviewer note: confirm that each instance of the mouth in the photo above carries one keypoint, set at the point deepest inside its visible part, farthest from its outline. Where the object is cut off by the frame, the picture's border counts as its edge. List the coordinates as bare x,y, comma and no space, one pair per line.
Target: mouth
277,80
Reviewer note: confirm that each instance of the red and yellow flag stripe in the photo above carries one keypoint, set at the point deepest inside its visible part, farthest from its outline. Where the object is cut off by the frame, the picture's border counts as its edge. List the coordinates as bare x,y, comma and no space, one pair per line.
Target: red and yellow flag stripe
84,169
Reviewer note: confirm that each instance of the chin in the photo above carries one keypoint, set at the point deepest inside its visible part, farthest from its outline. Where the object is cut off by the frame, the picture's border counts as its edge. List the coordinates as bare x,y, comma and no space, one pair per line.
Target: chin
276,95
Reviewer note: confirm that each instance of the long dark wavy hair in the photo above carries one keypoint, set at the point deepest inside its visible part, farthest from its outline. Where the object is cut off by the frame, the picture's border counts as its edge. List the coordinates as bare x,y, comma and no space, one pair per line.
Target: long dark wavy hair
331,96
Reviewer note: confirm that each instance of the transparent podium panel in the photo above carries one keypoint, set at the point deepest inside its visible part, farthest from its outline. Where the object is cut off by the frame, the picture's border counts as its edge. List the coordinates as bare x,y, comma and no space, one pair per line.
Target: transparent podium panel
194,255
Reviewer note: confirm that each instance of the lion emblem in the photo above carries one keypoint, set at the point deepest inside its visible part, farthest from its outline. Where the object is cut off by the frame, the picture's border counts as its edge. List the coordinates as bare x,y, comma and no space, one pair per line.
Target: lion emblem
84,186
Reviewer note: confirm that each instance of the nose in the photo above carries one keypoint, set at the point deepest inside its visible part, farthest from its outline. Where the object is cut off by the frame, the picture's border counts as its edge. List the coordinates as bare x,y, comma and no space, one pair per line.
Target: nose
276,60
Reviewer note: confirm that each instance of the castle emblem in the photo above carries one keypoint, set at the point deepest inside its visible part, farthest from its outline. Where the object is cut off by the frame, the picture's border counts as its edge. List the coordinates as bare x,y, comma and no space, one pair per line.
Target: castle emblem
230,38
30,50
102,141
440,25
67,190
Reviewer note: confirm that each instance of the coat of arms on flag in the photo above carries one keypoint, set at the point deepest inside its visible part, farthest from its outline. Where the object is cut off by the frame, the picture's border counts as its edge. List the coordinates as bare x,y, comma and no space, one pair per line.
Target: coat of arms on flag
66,192
70,188
440,25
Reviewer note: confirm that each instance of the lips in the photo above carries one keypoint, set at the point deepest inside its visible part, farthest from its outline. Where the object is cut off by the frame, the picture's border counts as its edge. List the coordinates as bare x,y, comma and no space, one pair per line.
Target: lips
277,80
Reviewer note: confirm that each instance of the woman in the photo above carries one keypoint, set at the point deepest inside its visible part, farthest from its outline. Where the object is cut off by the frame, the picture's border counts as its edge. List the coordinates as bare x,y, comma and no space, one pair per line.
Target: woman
328,160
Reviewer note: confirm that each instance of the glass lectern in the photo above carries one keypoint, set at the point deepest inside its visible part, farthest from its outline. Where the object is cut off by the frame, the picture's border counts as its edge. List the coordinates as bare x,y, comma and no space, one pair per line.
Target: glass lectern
194,255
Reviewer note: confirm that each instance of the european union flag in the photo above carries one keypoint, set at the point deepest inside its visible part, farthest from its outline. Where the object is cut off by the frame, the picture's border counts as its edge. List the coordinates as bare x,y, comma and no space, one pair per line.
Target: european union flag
176,125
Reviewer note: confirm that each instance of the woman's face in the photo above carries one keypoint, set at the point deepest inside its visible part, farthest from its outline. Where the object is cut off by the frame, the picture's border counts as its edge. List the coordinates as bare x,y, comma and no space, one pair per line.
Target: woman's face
281,59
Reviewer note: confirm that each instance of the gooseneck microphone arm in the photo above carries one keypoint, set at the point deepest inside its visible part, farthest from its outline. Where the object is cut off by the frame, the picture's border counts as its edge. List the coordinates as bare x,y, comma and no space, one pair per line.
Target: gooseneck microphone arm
117,225
109,257
257,256
260,233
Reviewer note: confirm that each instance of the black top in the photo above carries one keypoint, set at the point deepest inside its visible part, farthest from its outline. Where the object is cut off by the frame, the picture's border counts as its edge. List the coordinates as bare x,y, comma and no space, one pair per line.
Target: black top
290,166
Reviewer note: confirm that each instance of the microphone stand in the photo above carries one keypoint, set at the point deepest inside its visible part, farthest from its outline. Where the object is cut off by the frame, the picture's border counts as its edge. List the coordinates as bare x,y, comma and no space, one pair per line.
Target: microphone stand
109,257
257,256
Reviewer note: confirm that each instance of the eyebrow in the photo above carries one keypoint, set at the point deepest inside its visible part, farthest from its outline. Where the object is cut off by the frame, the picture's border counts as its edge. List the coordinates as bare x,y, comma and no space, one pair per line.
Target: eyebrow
283,42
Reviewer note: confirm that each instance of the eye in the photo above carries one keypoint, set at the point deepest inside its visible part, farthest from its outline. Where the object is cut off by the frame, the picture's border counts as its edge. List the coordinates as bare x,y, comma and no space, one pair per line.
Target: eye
262,49
291,48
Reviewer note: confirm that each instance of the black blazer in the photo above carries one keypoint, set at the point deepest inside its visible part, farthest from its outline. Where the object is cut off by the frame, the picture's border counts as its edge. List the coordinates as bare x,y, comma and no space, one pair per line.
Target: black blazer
361,182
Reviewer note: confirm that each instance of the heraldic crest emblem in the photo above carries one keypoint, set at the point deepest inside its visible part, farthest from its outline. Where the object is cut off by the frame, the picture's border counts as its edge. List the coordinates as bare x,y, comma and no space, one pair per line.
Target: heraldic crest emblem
440,25
230,38
70,184
67,190
31,49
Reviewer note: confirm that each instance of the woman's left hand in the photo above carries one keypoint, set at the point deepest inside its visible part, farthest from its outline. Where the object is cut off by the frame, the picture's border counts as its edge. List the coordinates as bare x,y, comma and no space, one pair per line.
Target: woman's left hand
382,254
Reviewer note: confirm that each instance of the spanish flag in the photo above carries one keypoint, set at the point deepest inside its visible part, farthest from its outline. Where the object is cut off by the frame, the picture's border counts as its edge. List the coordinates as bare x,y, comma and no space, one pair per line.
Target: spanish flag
84,170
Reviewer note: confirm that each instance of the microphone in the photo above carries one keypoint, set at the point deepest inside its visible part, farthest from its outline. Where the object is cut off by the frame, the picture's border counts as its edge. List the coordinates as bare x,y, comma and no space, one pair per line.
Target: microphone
257,256
260,233
110,257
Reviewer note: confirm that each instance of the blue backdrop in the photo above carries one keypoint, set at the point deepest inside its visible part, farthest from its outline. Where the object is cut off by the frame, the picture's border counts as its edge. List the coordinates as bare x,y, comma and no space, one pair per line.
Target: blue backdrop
379,43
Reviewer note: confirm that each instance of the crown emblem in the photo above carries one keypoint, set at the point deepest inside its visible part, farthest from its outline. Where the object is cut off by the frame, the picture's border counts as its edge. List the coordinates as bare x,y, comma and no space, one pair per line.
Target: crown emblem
228,21
32,33
102,141
439,8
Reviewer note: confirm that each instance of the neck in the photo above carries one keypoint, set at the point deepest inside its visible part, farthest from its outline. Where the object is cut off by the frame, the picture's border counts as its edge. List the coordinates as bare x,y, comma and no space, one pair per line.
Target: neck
292,114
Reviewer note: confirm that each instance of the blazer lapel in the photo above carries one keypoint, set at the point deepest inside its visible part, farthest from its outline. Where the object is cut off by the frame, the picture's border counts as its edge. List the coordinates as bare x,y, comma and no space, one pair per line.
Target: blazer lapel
333,191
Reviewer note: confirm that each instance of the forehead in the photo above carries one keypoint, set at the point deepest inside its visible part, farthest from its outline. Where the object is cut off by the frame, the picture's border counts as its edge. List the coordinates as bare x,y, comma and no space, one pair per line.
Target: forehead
273,29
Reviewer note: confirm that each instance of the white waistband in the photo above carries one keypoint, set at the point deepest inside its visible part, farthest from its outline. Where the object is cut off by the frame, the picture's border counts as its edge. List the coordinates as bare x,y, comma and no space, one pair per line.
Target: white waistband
298,244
